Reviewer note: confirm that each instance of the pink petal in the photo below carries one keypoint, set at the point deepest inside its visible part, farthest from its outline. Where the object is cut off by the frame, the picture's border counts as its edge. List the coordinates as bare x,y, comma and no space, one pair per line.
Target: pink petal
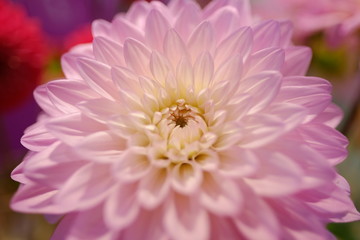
101,28
201,40
37,138
203,71
286,30
312,93
153,188
236,162
101,109
223,228
124,29
273,173
220,196
137,56
87,224
137,13
262,87
327,141
156,27
66,94
174,47
251,225
102,146
331,116
86,188
223,21
32,198
189,17
266,34
98,76
299,226
160,67
132,165
186,178
45,169
297,61
147,226
269,59
239,43
118,216
108,51
69,60
185,219
73,128
42,98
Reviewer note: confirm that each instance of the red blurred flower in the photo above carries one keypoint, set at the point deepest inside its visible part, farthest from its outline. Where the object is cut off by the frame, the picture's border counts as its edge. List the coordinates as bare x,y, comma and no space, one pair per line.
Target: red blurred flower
22,55
82,35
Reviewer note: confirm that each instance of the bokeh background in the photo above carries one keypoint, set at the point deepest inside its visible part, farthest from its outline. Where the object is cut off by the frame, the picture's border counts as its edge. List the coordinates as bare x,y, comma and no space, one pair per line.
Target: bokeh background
35,33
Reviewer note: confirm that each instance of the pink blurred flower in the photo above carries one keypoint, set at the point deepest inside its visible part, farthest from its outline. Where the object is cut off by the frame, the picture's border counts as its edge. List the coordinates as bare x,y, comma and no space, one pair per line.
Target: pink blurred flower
338,18
183,123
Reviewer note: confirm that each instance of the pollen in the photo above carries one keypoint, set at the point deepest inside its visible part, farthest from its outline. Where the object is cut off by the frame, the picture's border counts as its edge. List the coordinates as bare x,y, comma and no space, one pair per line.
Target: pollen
181,114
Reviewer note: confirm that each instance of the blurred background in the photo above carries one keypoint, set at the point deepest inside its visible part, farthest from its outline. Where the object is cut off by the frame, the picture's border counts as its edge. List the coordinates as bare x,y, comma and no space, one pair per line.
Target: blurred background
35,33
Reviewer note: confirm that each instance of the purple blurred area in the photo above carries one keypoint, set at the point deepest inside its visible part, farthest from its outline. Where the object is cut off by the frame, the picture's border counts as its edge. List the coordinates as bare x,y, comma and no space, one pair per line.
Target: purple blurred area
59,18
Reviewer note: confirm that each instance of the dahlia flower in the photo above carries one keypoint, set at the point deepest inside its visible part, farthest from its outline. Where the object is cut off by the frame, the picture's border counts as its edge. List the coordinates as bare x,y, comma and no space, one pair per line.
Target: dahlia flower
185,123
22,55
339,19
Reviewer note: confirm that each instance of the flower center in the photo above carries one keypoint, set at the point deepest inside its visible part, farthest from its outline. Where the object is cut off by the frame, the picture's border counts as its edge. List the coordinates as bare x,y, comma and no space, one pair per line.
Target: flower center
181,114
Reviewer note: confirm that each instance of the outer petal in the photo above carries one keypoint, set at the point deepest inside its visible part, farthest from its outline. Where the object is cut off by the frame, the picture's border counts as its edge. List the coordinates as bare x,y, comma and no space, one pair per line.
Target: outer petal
85,225
32,198
86,188
121,207
185,219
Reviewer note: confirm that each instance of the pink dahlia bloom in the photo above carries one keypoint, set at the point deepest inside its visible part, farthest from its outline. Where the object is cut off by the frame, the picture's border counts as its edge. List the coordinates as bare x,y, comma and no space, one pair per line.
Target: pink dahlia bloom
338,18
186,123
